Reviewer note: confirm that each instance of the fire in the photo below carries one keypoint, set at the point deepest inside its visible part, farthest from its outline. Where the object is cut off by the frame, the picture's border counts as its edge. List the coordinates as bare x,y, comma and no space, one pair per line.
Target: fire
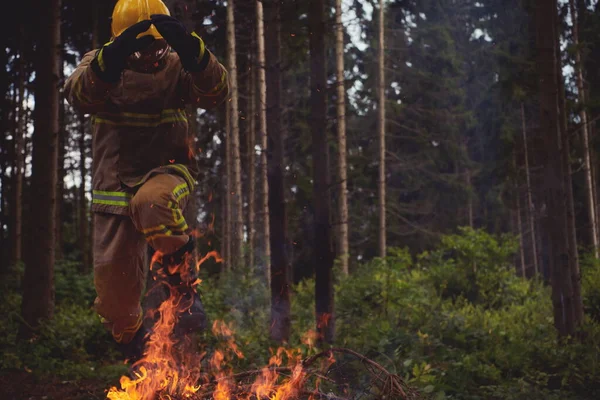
266,385
169,370
160,370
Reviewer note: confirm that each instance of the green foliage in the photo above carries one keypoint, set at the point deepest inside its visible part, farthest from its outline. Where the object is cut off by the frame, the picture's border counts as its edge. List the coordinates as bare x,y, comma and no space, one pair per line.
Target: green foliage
477,266
73,344
416,317
72,286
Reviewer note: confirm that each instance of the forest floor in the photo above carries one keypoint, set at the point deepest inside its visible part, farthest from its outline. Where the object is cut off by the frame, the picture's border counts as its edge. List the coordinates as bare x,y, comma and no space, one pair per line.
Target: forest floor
22,385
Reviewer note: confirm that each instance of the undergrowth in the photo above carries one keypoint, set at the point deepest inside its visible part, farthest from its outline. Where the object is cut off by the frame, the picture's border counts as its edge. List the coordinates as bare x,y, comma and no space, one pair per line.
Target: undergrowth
455,322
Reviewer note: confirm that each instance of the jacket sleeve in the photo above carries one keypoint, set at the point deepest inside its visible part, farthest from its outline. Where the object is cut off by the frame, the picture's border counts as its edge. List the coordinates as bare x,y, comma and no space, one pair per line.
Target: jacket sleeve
84,90
208,88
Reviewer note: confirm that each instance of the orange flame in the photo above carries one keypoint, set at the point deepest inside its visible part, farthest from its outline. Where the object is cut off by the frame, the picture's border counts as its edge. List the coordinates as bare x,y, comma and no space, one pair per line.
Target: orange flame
159,370
168,372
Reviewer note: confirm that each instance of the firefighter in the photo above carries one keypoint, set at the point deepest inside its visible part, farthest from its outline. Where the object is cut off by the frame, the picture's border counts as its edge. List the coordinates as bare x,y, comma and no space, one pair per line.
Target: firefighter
136,88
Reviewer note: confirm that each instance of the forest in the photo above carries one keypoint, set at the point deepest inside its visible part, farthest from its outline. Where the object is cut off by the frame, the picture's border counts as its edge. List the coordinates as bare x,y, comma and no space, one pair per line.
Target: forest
398,199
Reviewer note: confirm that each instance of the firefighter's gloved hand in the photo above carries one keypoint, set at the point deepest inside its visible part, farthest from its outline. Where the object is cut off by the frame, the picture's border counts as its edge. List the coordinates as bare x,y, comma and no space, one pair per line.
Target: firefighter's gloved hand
189,46
112,57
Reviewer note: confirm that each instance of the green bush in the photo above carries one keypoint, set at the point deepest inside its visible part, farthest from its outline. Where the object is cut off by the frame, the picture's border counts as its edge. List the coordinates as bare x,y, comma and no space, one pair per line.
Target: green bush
73,344
455,322
477,266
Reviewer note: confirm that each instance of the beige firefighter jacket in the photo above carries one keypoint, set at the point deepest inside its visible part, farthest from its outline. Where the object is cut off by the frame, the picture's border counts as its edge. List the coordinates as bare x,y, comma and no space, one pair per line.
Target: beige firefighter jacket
140,126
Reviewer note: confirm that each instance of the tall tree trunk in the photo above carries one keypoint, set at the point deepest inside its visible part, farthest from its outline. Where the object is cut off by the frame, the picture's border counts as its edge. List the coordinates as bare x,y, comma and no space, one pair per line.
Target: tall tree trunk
553,186
262,132
324,298
17,217
470,211
5,245
60,177
381,130
280,280
95,45
38,290
469,186
227,235
251,142
83,214
530,209
566,157
237,216
587,166
341,134
519,229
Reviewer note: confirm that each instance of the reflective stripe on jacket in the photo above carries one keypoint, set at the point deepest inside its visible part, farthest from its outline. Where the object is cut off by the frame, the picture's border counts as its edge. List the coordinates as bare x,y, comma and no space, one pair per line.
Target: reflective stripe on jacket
140,126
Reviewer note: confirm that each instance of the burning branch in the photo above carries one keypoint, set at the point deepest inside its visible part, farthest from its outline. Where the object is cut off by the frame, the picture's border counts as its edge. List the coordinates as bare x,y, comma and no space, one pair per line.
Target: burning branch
389,385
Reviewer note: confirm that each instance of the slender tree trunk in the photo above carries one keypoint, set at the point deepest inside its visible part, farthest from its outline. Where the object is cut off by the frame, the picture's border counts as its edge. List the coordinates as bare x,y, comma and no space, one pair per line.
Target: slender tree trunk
262,133
227,235
251,142
587,166
280,280
553,190
530,208
341,133
469,185
38,290
17,222
520,229
83,214
580,13
237,192
95,45
566,157
324,257
381,131
237,216
470,202
60,177
5,245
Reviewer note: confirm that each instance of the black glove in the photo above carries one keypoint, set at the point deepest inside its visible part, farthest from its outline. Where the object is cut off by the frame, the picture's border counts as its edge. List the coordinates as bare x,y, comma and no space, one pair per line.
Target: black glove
189,46
112,57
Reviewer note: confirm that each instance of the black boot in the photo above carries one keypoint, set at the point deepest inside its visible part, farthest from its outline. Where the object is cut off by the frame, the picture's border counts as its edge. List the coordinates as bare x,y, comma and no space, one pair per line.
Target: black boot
134,350
179,272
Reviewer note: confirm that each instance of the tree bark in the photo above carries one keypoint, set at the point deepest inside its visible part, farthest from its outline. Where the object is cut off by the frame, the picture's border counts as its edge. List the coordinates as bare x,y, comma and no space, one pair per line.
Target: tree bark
553,186
251,142
381,131
38,290
324,297
566,156
280,280
530,209
520,230
60,177
227,235
95,45
83,213
17,220
587,166
341,134
262,132
237,217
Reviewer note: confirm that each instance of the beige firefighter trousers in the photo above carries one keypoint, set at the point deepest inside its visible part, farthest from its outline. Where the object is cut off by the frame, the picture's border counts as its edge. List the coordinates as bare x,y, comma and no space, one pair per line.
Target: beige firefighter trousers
120,267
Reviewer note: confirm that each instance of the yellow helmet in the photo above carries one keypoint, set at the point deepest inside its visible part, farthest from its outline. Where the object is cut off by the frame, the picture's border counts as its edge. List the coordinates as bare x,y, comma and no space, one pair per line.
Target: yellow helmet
129,12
